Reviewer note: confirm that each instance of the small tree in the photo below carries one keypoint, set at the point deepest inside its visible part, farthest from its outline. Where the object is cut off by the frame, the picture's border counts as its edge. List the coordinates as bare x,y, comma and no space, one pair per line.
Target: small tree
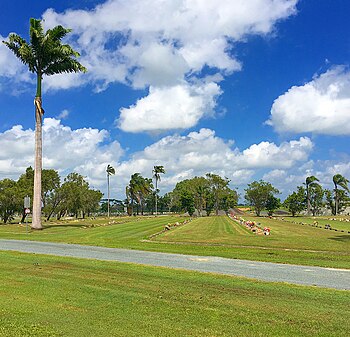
187,202
272,204
316,195
10,201
296,201
258,193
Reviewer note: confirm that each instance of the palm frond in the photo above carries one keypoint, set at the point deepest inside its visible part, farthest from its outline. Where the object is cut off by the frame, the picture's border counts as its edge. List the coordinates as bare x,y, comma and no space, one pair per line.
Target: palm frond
65,65
22,50
341,181
57,33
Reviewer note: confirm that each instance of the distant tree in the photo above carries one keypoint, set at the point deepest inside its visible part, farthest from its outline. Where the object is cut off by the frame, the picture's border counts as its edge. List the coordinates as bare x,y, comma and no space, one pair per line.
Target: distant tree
258,193
309,182
138,189
50,185
157,171
296,201
218,187
316,194
272,204
343,200
73,190
164,202
110,171
229,200
10,201
200,189
44,55
187,202
91,201
339,181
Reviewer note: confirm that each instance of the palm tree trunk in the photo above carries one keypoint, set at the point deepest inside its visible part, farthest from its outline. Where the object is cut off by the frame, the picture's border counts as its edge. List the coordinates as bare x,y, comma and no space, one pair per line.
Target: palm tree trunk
108,194
336,199
156,196
36,221
308,200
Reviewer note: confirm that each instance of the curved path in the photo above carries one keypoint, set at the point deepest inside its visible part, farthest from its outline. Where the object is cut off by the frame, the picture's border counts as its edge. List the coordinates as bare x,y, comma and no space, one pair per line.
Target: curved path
306,275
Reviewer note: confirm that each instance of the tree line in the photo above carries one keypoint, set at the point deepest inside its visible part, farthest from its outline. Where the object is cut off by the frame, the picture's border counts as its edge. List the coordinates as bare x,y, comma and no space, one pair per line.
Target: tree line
72,197
202,194
312,198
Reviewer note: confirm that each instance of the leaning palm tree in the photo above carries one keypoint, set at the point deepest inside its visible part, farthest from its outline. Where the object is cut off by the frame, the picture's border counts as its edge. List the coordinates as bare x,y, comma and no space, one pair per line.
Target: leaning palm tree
110,171
44,55
339,181
309,182
157,170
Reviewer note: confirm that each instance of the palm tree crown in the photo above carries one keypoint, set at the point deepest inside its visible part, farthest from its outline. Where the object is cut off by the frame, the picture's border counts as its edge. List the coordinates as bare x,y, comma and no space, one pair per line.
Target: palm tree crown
110,170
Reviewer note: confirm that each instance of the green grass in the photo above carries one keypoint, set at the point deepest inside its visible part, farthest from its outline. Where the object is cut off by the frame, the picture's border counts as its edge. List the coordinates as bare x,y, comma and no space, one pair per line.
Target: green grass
213,236
323,220
296,243
51,296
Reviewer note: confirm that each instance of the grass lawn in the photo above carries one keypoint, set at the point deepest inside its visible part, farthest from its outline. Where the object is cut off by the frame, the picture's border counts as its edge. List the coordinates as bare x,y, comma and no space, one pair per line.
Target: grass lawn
51,296
288,242
323,220
213,236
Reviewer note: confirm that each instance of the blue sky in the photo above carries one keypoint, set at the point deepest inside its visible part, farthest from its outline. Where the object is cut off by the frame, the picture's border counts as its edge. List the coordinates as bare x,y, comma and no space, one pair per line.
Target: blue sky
248,89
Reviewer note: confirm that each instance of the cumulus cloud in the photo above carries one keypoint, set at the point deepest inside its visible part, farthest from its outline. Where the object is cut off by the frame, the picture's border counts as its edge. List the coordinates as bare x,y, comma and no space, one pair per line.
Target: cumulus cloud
88,151
82,150
321,106
163,47
177,107
201,152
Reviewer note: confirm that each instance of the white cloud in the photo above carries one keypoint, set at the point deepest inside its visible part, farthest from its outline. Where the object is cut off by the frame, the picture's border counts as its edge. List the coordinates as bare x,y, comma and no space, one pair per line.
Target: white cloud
160,45
88,151
163,46
267,154
177,107
82,150
321,106
202,152
63,115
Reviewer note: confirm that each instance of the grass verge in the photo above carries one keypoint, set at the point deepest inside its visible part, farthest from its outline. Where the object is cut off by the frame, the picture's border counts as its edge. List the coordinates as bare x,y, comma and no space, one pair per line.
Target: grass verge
52,296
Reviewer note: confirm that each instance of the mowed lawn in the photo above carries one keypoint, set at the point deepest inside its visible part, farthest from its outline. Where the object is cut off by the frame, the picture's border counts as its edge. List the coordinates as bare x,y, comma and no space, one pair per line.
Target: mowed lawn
114,232
52,296
324,220
298,244
213,236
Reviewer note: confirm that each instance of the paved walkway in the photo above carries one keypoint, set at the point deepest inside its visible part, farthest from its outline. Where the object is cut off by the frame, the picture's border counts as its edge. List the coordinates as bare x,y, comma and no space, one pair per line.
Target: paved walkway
275,272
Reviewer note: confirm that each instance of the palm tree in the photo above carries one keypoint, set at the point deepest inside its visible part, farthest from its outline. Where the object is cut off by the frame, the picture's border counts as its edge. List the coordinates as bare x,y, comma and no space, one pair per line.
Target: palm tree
309,182
44,55
138,189
157,170
340,181
110,171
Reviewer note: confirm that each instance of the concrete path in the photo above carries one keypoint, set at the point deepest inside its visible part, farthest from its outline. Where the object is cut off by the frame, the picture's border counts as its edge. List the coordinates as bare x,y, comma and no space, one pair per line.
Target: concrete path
275,272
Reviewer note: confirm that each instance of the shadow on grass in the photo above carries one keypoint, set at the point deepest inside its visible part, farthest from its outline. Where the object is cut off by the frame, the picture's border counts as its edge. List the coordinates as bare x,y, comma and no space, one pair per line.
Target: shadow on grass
46,226
342,238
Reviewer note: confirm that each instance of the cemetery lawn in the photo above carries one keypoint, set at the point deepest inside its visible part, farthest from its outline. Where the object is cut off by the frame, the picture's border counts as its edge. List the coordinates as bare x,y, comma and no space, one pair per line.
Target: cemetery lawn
54,296
212,236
